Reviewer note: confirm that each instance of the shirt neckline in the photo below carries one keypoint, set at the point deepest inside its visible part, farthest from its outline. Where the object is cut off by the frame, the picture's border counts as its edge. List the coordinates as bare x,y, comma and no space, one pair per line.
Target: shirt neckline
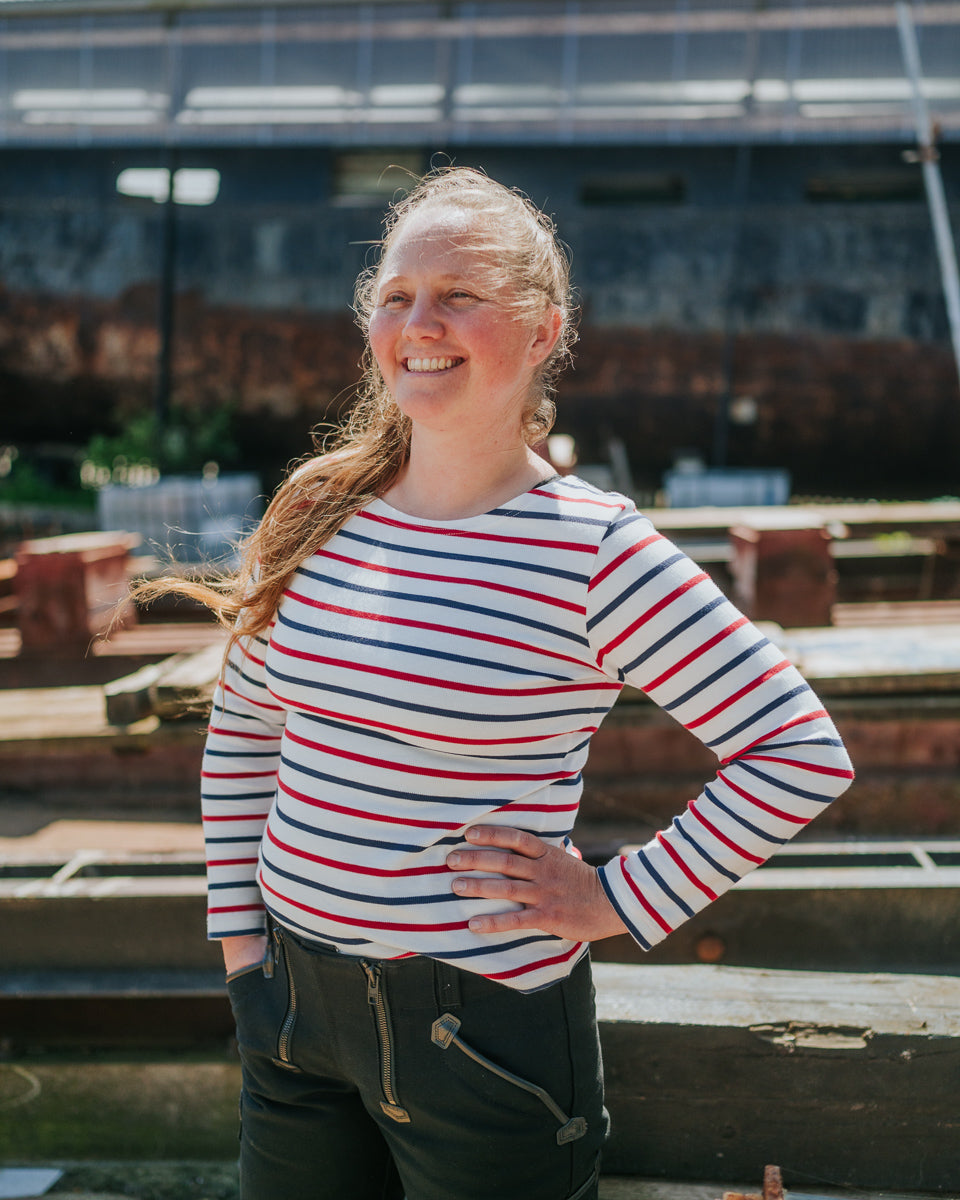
520,502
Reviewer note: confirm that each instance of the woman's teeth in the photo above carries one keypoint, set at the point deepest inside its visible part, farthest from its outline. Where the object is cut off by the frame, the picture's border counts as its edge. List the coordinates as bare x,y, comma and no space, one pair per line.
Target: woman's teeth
430,364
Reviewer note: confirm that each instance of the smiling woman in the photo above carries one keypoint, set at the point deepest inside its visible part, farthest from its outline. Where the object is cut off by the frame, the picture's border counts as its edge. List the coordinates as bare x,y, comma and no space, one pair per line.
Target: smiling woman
427,629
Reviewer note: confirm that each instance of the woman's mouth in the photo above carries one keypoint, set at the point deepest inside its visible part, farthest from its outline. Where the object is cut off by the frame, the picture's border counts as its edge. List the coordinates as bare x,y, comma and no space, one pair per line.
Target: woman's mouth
424,366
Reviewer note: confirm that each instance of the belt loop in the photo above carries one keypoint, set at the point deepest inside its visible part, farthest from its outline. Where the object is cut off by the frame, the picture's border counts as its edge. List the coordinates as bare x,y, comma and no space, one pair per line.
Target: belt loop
447,982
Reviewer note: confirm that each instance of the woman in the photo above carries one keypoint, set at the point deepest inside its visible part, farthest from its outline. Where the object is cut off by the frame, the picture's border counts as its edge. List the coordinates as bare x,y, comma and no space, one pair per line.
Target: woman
430,626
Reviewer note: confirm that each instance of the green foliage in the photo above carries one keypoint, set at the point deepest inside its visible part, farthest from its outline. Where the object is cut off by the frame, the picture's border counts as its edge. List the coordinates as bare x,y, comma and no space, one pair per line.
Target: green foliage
182,445
21,482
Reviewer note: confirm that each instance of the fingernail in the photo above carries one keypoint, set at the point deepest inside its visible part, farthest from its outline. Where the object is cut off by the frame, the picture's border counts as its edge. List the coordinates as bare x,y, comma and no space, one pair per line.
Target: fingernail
476,925
453,859
459,885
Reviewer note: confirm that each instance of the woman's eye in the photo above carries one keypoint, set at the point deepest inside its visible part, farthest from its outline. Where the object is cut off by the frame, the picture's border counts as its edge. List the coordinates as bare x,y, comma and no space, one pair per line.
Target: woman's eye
460,294
393,298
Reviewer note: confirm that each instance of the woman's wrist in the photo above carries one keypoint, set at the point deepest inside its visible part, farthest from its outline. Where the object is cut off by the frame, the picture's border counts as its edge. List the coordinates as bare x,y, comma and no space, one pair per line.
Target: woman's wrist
243,950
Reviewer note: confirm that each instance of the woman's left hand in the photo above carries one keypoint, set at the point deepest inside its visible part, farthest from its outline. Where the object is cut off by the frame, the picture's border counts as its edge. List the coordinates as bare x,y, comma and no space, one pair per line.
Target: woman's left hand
560,893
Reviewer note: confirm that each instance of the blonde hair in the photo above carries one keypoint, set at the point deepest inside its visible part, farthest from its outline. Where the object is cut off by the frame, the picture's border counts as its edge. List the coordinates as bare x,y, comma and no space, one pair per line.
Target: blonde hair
362,458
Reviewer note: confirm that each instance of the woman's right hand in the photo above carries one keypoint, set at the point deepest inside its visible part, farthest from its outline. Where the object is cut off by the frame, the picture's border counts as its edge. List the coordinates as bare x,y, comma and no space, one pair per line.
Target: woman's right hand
243,951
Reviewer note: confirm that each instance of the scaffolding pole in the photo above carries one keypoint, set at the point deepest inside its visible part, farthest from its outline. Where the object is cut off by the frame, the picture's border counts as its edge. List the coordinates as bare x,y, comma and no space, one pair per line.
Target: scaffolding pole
927,154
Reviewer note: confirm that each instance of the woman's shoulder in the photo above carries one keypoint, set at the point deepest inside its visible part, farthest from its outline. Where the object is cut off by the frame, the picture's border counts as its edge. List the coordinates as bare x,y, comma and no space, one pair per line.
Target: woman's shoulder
576,495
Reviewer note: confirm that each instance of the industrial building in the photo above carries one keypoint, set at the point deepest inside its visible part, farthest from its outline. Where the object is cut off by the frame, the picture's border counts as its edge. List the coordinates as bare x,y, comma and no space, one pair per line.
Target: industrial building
738,183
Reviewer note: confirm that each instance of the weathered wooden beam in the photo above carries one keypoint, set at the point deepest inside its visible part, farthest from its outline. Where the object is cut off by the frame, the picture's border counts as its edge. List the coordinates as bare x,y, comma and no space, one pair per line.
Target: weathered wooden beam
712,1072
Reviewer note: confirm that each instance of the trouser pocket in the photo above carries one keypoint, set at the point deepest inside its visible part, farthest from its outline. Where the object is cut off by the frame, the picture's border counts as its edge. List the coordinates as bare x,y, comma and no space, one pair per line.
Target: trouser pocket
265,1005
445,1034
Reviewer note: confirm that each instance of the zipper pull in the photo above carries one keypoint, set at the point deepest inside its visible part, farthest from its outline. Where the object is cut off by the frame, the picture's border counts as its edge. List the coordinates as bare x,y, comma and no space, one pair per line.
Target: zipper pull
373,982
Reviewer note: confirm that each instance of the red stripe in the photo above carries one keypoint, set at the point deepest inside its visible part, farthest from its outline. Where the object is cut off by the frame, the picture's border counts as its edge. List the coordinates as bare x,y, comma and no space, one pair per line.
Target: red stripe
434,772
738,695
694,654
249,699
802,719
242,733
390,619
230,862
775,812
228,908
405,926
708,892
815,768
646,905
731,845
351,719
623,557
457,581
448,684
576,547
652,612
368,815
536,966
577,499
351,867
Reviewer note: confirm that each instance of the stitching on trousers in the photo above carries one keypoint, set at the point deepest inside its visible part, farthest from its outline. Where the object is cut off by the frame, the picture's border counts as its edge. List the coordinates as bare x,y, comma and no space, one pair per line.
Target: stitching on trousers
444,1033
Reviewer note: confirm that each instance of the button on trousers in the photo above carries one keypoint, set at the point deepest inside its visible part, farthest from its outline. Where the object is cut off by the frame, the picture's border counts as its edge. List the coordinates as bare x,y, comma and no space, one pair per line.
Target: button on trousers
385,1079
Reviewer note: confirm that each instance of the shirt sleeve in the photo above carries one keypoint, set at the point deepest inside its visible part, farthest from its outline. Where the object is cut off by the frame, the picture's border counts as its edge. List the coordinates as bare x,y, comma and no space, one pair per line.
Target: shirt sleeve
238,783
657,621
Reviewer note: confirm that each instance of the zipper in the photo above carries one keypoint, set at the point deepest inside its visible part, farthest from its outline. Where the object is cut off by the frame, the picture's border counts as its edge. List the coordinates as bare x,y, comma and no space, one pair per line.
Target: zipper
378,1002
283,1058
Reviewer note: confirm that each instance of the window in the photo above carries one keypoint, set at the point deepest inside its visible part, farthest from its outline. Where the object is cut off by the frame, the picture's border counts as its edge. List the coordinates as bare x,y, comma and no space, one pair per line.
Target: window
633,188
375,177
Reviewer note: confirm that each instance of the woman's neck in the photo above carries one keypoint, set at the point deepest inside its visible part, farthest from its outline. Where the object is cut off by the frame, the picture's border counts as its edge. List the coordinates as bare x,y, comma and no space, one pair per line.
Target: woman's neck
450,488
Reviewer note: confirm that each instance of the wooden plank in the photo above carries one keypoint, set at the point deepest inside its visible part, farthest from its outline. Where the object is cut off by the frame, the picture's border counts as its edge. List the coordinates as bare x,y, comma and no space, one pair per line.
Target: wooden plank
715,1071
711,1072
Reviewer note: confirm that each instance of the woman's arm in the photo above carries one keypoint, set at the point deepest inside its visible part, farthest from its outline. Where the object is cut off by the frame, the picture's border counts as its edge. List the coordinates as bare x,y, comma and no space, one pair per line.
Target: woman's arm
238,784
657,621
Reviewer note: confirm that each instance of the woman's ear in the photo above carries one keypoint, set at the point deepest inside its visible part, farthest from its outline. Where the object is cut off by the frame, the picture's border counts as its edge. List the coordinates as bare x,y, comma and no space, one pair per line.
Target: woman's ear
546,333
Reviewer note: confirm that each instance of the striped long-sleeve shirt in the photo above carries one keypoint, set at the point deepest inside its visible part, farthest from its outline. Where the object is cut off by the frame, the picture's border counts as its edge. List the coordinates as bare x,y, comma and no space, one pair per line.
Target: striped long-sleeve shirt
421,676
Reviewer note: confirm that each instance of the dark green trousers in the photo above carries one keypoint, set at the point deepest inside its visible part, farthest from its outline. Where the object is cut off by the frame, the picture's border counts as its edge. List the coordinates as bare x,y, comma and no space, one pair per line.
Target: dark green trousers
378,1080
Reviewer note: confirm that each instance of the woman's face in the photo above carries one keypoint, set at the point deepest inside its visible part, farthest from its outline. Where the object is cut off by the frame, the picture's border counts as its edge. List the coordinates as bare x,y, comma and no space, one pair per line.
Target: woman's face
454,353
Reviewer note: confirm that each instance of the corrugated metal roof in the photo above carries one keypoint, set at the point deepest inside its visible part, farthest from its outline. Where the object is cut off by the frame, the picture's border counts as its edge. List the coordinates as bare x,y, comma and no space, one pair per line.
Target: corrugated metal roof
400,73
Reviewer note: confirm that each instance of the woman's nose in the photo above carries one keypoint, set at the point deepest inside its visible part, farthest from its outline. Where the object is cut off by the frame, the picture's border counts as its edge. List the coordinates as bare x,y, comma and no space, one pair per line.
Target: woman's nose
423,319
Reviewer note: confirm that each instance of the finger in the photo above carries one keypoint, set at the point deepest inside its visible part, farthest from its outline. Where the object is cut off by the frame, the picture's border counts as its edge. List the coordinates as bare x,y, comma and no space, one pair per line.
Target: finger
521,918
520,841
521,890
503,862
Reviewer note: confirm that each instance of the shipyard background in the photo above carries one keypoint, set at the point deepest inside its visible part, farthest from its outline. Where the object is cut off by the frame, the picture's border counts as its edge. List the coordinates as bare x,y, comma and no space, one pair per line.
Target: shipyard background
742,187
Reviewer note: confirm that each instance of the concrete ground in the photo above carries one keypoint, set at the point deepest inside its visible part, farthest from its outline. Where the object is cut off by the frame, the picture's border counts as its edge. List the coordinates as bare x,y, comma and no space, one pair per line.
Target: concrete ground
217,1181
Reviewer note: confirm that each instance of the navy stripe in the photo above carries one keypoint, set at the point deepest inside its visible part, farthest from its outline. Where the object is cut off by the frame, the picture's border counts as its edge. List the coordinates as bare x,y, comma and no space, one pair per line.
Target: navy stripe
755,717
408,706
703,684
425,652
688,837
662,883
782,785
742,820
242,753
550,571
636,586
498,947
667,638
216,796
634,931
311,934
499,615
363,897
